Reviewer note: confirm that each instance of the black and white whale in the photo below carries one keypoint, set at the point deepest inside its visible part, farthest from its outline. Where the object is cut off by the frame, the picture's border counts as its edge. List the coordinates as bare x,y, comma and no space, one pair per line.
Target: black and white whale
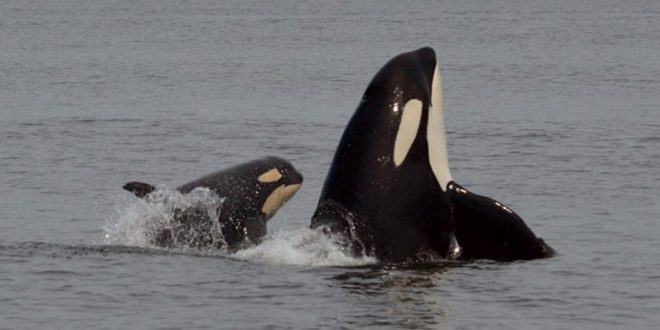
389,191
385,188
252,192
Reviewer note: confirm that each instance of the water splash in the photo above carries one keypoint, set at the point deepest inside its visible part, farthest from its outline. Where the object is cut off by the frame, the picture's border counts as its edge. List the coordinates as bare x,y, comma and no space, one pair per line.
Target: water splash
137,221
143,222
302,246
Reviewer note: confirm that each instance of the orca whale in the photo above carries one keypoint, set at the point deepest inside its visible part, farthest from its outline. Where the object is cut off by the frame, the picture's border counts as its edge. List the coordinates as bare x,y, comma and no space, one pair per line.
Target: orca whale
252,192
384,191
389,192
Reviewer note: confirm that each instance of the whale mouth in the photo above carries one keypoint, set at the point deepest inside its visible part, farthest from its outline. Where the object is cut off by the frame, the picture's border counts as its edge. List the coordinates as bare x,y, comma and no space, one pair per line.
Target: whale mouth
279,197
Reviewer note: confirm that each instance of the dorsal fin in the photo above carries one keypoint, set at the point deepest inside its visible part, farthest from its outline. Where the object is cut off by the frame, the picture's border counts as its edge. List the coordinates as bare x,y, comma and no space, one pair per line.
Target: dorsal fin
139,189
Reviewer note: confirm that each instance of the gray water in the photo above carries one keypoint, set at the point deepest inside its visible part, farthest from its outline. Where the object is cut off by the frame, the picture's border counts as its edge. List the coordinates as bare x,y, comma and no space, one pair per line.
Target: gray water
552,107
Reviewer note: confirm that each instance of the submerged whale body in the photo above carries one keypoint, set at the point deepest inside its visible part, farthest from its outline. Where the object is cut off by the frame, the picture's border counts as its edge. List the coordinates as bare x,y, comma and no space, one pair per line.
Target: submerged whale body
389,192
488,229
251,193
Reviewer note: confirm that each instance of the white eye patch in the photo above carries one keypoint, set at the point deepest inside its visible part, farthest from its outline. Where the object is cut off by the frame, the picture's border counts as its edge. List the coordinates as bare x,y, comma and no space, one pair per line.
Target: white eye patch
408,127
272,175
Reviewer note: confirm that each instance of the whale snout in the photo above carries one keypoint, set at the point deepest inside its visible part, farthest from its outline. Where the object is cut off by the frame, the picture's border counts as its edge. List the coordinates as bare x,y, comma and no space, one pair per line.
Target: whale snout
295,177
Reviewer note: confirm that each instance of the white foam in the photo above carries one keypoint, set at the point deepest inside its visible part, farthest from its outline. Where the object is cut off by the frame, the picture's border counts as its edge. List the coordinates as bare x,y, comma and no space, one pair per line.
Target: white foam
301,247
136,220
128,226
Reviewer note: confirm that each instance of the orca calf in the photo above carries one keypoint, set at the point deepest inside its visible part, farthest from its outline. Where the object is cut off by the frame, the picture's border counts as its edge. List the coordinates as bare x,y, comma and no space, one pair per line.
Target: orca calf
389,192
252,193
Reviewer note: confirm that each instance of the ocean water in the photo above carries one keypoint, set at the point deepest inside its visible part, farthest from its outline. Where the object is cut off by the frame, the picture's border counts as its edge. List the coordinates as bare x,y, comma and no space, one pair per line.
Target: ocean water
552,107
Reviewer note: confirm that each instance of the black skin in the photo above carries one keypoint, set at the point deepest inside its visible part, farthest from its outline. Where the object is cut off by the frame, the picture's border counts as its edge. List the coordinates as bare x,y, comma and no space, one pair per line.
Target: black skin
241,219
487,229
398,214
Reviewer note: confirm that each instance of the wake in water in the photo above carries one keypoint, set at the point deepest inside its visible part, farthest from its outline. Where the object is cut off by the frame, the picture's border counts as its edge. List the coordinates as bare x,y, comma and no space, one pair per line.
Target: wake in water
144,223
302,247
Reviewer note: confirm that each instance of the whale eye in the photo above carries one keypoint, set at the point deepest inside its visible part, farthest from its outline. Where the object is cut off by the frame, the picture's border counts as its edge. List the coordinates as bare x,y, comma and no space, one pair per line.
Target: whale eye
408,126
270,176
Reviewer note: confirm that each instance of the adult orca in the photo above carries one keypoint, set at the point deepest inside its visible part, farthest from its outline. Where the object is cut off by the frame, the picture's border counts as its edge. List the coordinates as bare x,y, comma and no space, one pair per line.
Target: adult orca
384,191
389,191
252,192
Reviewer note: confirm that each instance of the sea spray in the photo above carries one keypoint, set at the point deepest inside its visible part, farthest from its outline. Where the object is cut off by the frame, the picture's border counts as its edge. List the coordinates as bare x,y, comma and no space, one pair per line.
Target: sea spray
139,222
136,222
301,246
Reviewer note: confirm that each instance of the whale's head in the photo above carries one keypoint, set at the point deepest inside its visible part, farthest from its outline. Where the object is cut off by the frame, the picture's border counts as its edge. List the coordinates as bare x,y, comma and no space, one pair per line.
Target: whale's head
279,181
400,117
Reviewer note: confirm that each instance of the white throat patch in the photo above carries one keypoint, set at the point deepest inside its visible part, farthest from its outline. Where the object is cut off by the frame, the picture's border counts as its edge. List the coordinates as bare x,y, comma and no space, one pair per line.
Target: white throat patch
437,140
278,197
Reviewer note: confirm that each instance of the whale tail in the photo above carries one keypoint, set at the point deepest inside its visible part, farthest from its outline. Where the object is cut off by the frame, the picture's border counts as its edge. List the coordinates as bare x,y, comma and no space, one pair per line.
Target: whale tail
139,189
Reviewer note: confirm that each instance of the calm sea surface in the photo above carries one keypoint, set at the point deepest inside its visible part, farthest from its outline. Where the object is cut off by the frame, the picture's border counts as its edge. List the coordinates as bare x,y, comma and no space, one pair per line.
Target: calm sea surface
552,107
